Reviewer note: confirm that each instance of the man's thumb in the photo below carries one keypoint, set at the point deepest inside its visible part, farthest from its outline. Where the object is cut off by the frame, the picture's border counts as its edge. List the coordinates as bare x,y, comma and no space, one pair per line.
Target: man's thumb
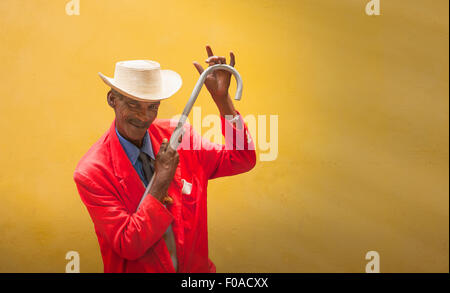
163,145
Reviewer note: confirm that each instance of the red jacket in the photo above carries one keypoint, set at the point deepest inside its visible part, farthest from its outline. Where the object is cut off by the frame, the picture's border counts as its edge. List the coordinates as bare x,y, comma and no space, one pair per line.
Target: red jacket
130,240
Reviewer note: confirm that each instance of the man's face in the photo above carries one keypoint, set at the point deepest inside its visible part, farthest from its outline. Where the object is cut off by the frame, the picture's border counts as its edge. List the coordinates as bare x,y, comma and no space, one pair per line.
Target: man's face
133,117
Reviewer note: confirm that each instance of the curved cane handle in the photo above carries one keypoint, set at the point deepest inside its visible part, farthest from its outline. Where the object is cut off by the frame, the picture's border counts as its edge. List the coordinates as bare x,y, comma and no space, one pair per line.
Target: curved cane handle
179,130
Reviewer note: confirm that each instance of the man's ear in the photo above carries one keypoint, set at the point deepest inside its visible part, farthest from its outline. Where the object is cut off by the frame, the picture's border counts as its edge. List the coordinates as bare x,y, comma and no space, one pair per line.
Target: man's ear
111,100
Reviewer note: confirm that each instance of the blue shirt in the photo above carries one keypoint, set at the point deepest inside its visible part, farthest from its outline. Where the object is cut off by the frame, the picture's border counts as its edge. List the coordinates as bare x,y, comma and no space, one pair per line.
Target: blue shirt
132,152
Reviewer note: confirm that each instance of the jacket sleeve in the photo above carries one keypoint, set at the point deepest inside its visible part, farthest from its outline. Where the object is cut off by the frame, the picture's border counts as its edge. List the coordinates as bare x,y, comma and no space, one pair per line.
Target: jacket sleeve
236,156
129,234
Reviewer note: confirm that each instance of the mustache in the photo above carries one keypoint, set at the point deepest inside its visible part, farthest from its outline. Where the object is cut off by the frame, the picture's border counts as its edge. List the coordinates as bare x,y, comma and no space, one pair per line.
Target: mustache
139,124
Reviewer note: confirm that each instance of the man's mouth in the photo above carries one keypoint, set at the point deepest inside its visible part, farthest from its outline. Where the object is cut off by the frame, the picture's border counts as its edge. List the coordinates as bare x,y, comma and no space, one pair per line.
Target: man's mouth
138,125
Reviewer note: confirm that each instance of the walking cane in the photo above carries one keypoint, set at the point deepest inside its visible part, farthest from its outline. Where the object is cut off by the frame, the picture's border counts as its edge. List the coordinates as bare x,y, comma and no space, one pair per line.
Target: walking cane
179,130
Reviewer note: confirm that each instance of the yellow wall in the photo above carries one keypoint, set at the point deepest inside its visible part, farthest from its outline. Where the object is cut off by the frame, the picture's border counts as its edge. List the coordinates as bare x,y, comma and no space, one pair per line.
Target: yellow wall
363,127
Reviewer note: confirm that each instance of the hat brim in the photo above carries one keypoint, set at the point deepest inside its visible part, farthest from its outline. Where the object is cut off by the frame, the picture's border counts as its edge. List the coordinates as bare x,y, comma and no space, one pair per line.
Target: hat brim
170,83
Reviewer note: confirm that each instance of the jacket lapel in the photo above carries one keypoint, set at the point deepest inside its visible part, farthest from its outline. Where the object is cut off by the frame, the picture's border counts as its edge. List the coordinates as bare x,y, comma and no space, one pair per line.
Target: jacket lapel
124,170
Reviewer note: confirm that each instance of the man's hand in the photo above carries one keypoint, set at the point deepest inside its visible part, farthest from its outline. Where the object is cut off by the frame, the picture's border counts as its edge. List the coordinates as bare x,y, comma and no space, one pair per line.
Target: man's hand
165,166
218,82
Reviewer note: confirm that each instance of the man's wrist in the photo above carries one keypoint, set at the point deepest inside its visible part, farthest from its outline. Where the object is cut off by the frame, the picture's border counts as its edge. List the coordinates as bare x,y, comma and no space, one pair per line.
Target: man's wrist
225,106
158,190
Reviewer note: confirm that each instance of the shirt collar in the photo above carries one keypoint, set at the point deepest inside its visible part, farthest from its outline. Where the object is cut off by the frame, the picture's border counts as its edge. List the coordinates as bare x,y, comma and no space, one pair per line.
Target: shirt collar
132,151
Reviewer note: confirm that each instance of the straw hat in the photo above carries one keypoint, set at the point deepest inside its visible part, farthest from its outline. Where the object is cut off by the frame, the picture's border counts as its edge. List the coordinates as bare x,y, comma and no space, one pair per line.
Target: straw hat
143,80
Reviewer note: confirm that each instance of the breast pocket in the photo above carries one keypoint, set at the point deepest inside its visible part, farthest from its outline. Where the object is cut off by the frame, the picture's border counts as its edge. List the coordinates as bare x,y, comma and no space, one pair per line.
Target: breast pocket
186,187
190,202
188,190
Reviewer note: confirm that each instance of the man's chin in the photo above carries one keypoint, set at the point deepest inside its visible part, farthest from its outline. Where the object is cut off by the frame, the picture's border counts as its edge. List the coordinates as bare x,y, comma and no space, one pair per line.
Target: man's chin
136,133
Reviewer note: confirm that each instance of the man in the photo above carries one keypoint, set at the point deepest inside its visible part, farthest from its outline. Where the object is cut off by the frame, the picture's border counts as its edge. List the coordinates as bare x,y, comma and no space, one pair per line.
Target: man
167,232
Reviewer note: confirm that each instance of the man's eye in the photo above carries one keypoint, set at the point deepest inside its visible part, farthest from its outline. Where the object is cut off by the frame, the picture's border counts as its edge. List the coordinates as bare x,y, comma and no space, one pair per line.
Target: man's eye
132,105
153,107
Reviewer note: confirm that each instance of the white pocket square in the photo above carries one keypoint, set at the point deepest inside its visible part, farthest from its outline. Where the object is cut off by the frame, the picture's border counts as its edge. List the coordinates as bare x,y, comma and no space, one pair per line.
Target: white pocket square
187,187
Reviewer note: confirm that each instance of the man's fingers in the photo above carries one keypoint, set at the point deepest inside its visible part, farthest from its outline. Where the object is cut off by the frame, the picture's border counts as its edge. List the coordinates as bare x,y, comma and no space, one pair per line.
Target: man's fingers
212,59
232,59
220,60
209,51
198,67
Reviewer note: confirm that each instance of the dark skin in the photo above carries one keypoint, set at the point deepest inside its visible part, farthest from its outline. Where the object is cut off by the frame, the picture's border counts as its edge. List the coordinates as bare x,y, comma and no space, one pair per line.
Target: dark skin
134,117
218,82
